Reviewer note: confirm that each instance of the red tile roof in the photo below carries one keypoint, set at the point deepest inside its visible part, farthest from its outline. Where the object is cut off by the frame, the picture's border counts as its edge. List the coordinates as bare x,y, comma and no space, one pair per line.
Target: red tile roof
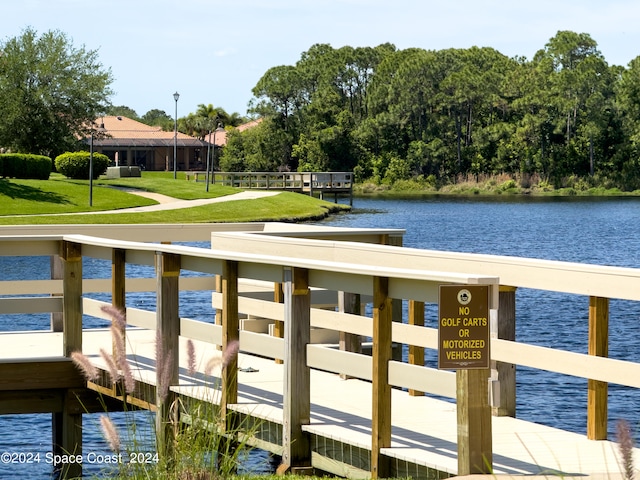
125,132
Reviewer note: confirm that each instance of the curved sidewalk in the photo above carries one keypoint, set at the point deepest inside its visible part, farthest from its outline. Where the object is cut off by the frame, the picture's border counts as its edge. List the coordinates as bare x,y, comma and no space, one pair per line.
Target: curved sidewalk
171,203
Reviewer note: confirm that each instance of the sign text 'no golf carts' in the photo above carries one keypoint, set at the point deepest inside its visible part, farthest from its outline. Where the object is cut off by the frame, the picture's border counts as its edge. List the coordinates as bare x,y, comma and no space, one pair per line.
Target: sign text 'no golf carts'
463,327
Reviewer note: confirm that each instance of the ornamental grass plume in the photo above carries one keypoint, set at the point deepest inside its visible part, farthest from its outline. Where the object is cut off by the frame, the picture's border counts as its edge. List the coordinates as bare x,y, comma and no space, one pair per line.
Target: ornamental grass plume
625,444
164,361
111,365
191,357
118,343
129,382
89,371
229,354
118,316
110,433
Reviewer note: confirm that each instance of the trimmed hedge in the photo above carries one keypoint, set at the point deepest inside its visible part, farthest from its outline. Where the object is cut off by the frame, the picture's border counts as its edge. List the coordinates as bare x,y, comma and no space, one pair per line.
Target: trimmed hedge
25,165
76,165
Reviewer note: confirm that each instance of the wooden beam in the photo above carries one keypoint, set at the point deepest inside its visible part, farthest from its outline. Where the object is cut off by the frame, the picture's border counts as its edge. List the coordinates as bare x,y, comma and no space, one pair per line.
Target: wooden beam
168,331
118,292
67,437
597,408
349,342
31,401
381,390
297,382
33,305
506,372
71,255
278,326
396,303
39,374
230,334
416,354
56,274
118,276
474,422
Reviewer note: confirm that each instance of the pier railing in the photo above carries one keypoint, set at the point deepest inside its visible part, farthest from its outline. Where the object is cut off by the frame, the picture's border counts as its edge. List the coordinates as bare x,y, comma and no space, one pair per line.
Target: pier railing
298,277
312,183
327,263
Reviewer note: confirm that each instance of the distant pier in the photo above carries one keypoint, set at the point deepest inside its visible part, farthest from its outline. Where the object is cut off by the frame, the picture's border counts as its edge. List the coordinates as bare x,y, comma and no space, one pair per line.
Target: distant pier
311,183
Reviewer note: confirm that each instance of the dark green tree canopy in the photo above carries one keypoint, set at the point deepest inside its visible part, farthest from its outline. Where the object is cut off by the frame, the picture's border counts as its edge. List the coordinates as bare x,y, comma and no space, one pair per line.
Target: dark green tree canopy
390,114
51,92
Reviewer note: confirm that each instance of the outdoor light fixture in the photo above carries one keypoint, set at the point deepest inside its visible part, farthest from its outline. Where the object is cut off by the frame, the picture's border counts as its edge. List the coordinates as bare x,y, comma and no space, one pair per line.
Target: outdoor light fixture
101,129
176,96
213,156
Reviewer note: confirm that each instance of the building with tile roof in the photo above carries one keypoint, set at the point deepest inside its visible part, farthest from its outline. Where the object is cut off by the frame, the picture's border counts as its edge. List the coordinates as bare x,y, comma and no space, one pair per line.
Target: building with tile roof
128,142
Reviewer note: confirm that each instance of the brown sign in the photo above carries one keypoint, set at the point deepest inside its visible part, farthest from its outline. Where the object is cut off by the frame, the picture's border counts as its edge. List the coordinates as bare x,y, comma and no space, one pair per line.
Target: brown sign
463,327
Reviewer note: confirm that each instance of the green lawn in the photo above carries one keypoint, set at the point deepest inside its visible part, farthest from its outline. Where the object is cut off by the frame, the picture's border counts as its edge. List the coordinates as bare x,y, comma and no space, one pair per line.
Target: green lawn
31,197
163,182
39,200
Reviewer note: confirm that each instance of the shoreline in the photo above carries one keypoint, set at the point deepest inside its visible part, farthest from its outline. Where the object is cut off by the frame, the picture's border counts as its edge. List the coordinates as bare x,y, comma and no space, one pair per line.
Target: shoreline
382,191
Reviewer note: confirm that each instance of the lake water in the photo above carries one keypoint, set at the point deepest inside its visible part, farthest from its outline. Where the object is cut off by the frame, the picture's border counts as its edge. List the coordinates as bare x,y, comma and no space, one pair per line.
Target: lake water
598,231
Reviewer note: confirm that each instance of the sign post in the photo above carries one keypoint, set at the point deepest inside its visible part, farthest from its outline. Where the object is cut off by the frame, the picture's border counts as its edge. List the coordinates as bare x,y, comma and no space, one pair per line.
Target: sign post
463,345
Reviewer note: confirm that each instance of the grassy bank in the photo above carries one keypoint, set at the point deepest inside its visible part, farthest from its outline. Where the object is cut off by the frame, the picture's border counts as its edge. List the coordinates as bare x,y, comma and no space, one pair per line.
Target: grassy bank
43,201
491,185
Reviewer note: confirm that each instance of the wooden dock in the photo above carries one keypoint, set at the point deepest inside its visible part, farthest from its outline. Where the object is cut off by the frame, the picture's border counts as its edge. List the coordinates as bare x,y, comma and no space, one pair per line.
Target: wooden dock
321,405
424,437
318,184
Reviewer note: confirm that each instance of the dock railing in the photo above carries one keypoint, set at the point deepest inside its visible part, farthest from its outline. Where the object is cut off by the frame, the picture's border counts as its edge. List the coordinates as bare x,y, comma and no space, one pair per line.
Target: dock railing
312,183
305,265
298,278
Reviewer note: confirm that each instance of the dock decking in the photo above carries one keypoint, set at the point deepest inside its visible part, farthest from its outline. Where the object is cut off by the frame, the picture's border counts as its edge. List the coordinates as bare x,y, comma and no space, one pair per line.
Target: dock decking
424,436
300,280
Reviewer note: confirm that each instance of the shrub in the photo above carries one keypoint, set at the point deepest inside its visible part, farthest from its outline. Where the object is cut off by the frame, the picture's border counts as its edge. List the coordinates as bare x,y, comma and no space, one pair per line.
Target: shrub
24,165
76,164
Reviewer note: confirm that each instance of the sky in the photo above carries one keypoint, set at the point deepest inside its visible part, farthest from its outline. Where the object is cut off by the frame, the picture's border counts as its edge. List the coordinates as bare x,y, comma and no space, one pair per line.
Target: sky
214,52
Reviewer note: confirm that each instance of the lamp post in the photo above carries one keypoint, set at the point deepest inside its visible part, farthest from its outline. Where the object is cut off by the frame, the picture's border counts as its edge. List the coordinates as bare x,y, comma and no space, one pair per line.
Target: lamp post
206,179
176,96
100,130
91,170
213,156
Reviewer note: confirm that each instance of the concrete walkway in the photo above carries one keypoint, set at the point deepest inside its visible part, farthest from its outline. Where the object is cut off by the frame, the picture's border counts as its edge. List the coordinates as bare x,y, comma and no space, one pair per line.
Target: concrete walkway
171,203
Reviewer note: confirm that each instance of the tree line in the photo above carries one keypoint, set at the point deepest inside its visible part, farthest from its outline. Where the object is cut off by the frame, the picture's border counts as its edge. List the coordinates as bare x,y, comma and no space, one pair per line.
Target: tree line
384,113
390,114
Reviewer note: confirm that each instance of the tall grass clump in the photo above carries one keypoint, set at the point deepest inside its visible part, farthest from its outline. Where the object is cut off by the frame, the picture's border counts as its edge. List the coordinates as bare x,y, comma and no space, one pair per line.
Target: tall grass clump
625,444
203,445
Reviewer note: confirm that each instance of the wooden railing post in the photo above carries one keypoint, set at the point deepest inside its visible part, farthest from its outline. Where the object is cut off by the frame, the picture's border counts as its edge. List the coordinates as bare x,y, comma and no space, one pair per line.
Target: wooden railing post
349,342
118,289
475,438
297,382
416,354
168,331
278,326
396,303
381,390
118,278
67,425
57,272
474,422
599,346
505,400
72,302
230,334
